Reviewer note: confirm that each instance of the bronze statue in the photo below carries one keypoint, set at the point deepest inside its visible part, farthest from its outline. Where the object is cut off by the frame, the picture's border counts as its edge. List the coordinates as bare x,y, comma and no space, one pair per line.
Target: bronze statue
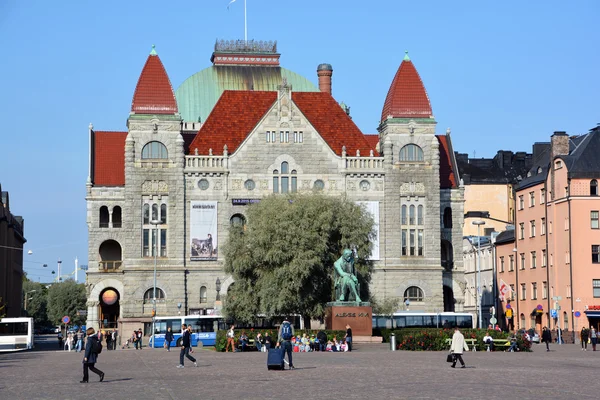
345,278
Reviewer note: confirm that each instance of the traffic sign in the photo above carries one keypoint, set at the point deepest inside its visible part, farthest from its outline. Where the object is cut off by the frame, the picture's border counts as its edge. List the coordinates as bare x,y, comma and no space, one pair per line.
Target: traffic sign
508,306
493,320
556,298
66,319
577,314
554,313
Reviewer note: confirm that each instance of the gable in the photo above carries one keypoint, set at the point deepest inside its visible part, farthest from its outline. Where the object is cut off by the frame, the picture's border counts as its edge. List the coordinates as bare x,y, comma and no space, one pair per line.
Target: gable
447,173
108,163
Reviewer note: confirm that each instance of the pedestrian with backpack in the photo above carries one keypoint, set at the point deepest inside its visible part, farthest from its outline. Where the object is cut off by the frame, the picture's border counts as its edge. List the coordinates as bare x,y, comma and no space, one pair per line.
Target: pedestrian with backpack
93,347
286,333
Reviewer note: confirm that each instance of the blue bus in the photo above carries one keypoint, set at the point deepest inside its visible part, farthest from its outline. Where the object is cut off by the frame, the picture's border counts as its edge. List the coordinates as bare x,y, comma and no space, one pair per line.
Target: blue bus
411,319
204,329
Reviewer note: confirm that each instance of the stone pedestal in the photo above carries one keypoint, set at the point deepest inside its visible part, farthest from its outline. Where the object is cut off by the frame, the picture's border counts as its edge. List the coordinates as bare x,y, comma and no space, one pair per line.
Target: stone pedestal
357,315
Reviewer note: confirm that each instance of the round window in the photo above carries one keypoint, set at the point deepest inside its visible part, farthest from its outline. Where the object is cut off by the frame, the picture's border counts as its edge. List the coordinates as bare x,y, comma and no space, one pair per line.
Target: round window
249,184
365,185
319,185
203,184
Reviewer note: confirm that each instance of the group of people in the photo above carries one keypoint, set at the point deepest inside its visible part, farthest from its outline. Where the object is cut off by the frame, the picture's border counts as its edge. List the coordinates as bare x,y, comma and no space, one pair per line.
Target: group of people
136,339
589,335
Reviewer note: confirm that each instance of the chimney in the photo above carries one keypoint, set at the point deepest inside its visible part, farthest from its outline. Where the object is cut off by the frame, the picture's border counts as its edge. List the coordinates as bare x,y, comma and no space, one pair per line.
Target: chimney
324,72
559,145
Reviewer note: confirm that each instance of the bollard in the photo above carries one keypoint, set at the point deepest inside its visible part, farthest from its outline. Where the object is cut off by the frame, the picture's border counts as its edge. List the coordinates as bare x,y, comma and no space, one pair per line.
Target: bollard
393,342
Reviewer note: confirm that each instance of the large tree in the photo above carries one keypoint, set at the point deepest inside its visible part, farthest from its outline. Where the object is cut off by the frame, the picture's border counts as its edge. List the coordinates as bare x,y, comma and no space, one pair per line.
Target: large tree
37,302
64,299
282,259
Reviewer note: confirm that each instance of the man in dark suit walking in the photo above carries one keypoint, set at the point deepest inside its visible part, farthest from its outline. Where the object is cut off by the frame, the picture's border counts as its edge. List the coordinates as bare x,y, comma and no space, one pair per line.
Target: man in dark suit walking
186,346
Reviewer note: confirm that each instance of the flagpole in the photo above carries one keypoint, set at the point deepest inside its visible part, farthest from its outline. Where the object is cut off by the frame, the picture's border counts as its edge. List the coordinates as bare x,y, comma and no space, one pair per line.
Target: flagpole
245,25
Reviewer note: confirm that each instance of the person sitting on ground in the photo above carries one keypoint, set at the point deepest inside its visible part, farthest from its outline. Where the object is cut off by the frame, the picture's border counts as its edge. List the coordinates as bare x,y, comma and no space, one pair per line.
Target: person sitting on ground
497,328
305,343
335,346
312,342
488,340
329,346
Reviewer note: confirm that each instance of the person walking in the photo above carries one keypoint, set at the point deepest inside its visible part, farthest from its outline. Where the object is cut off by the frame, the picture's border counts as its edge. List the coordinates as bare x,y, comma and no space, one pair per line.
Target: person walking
90,357
60,340
186,345
108,341
140,337
115,335
348,337
79,346
593,337
546,337
286,333
585,335
230,340
168,339
458,345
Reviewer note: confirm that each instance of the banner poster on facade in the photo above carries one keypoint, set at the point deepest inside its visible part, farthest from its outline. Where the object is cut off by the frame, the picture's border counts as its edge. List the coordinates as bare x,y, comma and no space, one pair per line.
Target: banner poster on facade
203,230
373,208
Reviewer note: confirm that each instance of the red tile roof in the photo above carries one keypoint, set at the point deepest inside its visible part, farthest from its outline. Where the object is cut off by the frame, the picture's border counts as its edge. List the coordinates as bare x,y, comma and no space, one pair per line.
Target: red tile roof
234,116
407,97
332,123
154,93
447,175
109,158
373,140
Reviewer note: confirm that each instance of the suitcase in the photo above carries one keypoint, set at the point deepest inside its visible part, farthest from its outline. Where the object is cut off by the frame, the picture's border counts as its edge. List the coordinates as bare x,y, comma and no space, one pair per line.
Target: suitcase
275,359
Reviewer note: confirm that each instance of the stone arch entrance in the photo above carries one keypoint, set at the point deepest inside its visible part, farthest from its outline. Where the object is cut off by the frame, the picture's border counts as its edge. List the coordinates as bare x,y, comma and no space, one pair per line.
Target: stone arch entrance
104,307
109,308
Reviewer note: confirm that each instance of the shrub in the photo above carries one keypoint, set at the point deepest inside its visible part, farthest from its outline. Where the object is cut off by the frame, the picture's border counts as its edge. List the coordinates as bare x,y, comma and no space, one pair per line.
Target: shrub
435,339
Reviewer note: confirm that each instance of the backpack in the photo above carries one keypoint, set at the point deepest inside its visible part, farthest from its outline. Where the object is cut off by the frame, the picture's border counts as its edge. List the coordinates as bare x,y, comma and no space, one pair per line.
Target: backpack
96,347
286,331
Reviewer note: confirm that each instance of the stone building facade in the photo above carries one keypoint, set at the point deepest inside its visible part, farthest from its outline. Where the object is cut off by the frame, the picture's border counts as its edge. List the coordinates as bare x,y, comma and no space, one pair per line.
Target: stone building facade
191,161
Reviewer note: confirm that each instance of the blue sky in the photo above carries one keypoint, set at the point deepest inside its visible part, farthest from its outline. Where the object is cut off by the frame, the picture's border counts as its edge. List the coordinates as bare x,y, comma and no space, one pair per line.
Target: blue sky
501,75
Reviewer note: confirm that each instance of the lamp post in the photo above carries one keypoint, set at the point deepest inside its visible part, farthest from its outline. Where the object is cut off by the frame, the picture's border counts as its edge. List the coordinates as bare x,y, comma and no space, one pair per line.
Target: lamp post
478,303
27,298
155,223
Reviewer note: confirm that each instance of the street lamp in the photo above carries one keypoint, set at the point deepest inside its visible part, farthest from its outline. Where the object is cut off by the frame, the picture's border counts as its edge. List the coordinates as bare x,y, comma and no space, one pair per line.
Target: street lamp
478,305
155,223
27,298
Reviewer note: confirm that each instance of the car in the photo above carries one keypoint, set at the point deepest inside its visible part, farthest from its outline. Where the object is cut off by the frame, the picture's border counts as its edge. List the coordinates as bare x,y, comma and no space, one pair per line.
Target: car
531,335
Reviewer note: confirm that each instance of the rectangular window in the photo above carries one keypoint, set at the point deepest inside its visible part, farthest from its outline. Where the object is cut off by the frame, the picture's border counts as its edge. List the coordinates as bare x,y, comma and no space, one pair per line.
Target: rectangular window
420,242
596,287
568,291
273,136
512,292
523,292
163,243
543,227
522,230
511,263
566,224
294,184
534,291
275,184
532,228
542,196
521,202
551,260
412,242
522,261
594,220
501,264
281,137
295,136
268,137
404,249
544,258
595,254
567,258
300,137
284,184
531,199
545,290
566,191
287,136
550,227
154,239
146,243
533,260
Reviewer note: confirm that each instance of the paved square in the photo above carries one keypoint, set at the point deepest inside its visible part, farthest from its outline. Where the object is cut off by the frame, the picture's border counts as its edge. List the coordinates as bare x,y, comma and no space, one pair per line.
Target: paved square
371,372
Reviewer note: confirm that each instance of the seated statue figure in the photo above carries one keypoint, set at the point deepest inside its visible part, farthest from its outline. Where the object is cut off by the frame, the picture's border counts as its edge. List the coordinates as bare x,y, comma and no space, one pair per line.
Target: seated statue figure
345,277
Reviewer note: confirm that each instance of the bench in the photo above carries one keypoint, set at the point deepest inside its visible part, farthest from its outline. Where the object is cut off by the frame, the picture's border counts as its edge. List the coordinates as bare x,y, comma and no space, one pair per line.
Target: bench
249,347
469,342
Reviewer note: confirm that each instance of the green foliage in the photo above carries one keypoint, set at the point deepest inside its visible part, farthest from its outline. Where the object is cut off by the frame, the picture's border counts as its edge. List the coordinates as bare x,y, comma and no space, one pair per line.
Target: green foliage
282,262
386,307
37,302
65,298
221,341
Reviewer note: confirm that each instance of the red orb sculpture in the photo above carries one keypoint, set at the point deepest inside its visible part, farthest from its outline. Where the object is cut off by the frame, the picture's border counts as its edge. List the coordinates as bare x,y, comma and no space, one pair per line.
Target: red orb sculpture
109,297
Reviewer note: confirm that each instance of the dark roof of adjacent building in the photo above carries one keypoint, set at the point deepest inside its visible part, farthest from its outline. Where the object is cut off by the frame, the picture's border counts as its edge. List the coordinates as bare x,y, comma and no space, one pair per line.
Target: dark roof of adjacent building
507,236
504,168
584,159
407,97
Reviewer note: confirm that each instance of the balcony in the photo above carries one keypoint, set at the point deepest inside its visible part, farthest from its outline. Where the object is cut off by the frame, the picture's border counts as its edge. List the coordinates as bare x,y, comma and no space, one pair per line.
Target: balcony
109,266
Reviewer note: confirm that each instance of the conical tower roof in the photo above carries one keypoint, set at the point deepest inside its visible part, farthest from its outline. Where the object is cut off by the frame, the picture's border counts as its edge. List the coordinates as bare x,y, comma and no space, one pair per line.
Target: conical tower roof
407,97
154,93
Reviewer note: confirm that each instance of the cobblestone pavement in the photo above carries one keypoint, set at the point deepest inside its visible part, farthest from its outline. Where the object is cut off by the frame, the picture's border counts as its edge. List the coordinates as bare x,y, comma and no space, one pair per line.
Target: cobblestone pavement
370,372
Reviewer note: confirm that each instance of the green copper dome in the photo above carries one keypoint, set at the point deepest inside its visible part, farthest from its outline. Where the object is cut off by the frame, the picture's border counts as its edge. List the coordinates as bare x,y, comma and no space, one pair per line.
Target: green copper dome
198,94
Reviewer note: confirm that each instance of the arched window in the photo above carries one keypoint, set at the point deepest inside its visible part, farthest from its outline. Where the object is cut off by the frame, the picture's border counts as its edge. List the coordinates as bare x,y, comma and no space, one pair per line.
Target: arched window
284,179
203,298
103,217
149,295
404,215
153,150
146,212
411,215
420,215
163,213
411,152
154,212
116,217
594,187
238,220
413,293
447,217
284,167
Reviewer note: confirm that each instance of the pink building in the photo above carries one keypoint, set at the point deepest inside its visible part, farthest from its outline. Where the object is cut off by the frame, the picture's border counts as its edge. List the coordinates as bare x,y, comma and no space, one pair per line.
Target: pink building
551,260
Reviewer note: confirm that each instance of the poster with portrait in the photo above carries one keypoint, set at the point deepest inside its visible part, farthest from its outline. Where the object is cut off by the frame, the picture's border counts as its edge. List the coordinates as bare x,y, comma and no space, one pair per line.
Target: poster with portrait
203,230
373,208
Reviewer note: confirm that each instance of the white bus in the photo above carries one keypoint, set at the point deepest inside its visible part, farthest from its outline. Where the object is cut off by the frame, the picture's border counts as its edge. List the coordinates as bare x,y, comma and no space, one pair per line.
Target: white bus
409,319
16,334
